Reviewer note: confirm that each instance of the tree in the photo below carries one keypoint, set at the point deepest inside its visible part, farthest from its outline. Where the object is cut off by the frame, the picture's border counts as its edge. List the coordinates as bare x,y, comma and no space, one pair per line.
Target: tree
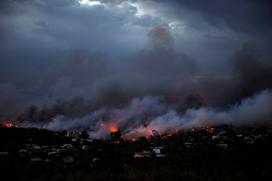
115,136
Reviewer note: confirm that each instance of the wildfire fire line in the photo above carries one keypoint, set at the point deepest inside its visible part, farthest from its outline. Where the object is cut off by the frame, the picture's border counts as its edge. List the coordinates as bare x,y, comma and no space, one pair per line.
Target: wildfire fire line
149,115
9,124
157,118
145,132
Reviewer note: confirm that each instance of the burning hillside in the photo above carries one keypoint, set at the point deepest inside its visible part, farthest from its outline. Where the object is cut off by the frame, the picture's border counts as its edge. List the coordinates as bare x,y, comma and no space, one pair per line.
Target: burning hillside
153,115
135,90
9,124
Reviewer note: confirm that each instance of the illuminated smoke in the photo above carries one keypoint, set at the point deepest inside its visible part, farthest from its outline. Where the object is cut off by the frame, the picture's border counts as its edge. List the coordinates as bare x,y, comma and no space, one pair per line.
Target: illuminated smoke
144,115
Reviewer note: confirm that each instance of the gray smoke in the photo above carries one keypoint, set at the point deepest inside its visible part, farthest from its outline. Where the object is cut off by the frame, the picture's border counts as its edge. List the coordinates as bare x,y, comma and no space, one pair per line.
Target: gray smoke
153,113
253,111
157,70
54,53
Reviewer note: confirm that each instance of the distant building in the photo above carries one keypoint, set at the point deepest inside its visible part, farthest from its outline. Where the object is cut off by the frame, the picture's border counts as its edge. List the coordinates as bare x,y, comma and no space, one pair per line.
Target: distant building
142,154
73,134
157,152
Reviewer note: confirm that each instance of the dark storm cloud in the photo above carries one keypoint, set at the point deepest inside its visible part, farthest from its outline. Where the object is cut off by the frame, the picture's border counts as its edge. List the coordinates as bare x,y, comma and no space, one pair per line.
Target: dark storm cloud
253,71
117,50
245,16
242,15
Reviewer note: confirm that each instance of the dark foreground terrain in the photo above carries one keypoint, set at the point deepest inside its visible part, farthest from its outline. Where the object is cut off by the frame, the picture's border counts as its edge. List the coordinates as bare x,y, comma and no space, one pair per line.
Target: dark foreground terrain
224,153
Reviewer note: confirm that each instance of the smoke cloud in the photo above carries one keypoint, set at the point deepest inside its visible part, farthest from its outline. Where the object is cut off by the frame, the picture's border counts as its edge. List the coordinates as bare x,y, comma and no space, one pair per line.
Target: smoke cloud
136,63
143,115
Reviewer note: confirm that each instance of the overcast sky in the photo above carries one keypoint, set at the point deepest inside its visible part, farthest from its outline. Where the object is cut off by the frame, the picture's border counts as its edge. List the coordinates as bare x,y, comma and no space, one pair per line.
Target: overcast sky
61,49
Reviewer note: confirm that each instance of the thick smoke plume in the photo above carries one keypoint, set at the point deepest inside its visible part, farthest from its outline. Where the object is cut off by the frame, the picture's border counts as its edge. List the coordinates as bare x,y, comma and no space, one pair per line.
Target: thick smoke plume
157,89
145,114
80,82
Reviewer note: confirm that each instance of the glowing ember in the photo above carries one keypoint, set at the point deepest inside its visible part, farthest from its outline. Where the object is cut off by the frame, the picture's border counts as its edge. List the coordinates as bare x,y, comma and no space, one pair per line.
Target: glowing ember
149,132
113,129
209,129
8,124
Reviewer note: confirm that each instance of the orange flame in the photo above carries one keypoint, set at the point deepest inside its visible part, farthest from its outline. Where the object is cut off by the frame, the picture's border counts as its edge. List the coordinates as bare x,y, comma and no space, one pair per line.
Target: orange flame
149,132
113,129
9,124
